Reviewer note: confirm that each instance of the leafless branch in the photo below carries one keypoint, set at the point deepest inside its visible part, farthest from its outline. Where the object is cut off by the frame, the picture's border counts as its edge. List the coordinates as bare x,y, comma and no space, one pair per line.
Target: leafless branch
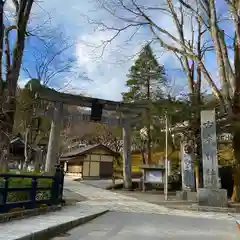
51,58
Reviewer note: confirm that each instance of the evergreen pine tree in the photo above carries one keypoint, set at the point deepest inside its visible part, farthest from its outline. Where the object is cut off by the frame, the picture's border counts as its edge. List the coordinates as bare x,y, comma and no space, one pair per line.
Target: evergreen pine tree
146,78
146,81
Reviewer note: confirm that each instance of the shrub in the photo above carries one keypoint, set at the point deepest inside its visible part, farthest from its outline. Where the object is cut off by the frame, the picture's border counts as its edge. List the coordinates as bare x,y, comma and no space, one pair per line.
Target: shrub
19,209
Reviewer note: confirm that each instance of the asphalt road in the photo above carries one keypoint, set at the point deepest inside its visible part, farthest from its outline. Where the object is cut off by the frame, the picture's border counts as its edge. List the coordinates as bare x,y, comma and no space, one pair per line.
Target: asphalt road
139,226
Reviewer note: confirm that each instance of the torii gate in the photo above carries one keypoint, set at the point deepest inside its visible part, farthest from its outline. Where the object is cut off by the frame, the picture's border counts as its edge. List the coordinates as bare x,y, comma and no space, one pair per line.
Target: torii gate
129,113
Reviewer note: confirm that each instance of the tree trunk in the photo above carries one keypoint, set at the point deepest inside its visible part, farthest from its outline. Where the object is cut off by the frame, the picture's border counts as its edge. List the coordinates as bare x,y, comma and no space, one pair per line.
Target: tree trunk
26,150
198,152
143,152
37,159
4,154
236,113
236,175
195,128
7,112
149,143
21,164
13,65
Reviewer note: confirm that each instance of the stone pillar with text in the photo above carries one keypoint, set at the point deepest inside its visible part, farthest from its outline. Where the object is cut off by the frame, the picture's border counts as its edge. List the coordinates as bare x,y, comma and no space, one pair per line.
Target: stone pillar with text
209,149
187,166
187,172
210,194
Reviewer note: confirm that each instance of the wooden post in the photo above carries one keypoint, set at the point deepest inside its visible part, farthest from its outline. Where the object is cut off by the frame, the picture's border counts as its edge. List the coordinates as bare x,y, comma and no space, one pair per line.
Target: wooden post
33,192
26,149
127,163
143,181
53,143
65,166
37,159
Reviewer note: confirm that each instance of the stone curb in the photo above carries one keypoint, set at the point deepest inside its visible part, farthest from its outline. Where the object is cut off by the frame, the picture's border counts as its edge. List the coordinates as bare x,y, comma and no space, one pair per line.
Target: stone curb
202,209
61,228
6,217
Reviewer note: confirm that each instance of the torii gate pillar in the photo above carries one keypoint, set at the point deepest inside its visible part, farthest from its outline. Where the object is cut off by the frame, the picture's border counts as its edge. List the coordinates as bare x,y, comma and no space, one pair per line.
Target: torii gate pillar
127,161
54,139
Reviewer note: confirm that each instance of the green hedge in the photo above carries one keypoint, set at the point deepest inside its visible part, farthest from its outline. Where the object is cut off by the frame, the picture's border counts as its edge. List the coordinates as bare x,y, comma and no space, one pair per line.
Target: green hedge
26,182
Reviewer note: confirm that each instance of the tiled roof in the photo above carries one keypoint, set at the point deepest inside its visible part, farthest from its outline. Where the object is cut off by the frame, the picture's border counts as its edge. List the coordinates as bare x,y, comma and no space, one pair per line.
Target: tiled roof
84,150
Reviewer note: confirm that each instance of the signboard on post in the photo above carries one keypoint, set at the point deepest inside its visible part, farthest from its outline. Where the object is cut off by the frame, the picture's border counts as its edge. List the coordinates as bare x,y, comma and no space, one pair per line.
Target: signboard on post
154,176
209,149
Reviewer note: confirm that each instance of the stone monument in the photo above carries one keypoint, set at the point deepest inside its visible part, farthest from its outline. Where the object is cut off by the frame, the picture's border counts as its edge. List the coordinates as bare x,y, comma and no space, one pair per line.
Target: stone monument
187,171
210,194
188,181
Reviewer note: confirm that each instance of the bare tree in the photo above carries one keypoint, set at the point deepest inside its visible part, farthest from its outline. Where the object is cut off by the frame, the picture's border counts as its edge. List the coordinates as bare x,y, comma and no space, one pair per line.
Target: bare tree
139,15
51,62
229,91
10,61
190,50
76,132
133,14
51,59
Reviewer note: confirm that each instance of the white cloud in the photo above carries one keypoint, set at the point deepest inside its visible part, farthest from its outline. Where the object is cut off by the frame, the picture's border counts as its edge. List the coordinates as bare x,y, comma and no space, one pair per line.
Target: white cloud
108,71
22,82
9,6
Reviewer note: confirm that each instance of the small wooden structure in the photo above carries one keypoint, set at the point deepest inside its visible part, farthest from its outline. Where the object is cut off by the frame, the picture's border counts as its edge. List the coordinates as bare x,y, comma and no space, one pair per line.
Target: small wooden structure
94,161
17,146
17,150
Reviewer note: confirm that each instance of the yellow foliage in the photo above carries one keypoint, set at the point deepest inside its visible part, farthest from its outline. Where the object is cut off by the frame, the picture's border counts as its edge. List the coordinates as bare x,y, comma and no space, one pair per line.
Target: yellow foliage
156,156
225,157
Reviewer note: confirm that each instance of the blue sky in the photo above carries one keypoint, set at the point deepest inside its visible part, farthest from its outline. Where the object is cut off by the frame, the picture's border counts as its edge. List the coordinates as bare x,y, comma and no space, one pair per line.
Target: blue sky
107,72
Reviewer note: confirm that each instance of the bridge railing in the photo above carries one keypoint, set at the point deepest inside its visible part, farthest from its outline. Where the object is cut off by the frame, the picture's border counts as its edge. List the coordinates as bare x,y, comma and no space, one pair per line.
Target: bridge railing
32,194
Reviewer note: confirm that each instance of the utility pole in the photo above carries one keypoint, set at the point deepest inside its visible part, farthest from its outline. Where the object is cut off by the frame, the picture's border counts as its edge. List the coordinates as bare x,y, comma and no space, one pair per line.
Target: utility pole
149,139
166,159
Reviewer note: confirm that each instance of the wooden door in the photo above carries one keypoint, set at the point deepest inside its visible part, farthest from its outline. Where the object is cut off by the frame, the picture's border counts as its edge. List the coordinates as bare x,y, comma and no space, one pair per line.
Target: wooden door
106,169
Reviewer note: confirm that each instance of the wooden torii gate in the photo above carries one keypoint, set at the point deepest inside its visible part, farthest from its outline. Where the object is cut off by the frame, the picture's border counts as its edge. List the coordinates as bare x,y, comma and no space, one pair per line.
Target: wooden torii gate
128,114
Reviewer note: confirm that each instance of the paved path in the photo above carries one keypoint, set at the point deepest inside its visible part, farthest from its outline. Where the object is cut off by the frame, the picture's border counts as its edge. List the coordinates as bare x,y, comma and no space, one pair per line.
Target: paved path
104,184
139,226
132,219
22,228
119,202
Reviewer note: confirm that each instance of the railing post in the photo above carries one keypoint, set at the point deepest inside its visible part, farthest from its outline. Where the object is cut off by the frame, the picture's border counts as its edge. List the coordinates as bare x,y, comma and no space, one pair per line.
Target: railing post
4,195
61,183
33,192
53,192
56,186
